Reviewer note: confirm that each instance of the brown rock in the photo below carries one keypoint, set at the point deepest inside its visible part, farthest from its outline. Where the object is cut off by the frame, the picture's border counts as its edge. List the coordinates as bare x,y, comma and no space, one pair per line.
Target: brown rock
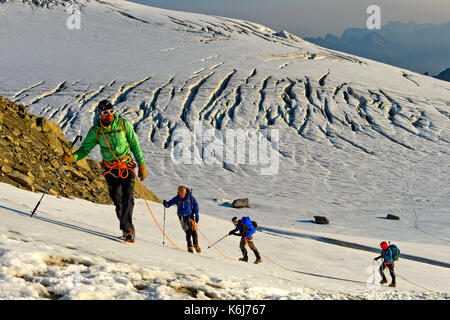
83,164
392,217
53,192
11,140
99,183
26,139
23,112
321,220
40,171
16,132
21,168
77,174
48,126
241,203
6,169
54,163
22,179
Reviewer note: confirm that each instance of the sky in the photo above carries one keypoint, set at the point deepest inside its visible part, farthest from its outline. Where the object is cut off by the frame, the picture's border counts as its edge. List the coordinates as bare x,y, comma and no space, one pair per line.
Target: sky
313,18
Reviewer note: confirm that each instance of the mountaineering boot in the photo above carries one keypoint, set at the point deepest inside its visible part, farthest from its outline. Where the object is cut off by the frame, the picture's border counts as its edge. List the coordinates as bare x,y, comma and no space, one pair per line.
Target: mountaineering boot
191,249
244,256
392,285
383,281
197,248
130,235
258,261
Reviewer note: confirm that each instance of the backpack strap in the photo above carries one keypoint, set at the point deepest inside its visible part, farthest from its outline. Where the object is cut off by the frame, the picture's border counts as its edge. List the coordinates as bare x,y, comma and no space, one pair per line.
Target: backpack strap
122,124
97,131
190,202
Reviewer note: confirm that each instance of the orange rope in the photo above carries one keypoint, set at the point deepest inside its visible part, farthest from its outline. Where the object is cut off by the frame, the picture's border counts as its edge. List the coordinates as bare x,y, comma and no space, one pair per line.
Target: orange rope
273,262
151,212
121,166
417,285
211,245
194,225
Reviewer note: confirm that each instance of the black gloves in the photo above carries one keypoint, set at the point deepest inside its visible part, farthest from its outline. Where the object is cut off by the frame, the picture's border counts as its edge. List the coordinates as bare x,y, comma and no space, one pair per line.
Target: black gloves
231,232
164,203
196,220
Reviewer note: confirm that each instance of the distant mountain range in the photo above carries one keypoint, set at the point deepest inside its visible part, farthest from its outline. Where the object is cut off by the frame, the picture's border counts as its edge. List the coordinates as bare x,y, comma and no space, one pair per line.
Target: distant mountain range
444,75
422,48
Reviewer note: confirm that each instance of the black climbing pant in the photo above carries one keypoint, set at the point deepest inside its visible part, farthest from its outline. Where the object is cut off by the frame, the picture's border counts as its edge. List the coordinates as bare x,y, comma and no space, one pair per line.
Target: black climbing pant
191,233
121,193
390,266
251,244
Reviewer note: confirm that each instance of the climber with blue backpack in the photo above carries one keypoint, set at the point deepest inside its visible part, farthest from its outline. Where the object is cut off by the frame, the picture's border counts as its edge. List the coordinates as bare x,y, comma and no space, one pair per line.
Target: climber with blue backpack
245,228
390,254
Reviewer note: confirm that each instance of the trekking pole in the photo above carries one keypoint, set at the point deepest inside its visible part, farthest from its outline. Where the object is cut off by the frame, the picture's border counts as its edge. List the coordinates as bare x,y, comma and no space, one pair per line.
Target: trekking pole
54,176
164,225
218,241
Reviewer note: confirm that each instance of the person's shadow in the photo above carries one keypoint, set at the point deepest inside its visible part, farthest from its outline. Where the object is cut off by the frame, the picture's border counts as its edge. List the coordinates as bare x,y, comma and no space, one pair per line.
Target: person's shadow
64,224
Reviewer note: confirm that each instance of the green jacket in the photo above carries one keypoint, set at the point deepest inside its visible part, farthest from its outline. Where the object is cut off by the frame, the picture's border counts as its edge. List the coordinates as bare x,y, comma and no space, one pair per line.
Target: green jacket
119,142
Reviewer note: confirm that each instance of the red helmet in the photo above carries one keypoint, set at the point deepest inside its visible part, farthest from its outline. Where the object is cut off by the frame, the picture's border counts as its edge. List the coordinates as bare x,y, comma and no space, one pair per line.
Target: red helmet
384,245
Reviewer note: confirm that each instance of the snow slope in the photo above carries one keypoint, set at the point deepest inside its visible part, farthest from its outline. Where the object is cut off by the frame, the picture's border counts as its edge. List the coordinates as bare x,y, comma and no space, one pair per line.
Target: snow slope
70,251
357,139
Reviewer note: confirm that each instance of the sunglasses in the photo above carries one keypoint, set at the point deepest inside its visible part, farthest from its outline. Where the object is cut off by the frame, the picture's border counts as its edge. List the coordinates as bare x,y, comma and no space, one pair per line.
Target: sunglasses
106,112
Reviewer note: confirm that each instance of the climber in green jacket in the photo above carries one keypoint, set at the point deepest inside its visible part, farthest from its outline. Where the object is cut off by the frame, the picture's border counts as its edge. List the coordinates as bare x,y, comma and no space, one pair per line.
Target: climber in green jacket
117,139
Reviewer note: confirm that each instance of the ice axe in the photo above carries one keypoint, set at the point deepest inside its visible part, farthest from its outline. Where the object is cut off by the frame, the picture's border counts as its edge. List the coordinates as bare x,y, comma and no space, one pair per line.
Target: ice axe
218,240
54,176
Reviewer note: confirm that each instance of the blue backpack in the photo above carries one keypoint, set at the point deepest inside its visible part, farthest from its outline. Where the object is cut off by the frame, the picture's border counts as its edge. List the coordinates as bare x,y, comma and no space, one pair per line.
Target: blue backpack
395,252
250,226
247,221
